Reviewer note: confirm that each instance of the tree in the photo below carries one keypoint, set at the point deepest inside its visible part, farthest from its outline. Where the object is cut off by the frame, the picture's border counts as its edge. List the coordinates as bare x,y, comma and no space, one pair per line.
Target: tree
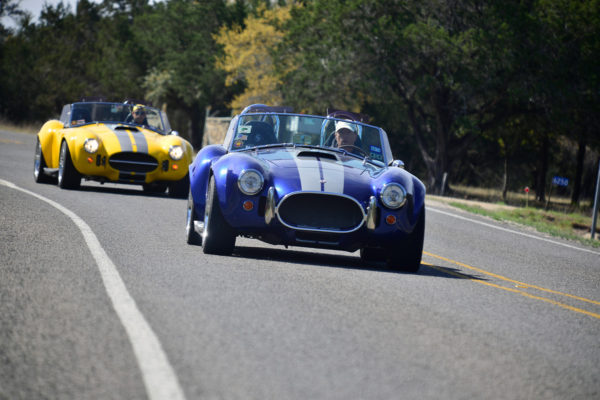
422,58
177,39
248,56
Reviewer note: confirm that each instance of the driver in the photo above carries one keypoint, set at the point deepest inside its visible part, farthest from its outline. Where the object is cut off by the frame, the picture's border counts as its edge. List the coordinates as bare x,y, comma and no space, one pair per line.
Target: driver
139,115
345,136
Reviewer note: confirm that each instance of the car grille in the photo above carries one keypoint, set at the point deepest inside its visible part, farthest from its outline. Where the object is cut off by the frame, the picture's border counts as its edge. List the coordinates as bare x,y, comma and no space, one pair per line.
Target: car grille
320,212
133,162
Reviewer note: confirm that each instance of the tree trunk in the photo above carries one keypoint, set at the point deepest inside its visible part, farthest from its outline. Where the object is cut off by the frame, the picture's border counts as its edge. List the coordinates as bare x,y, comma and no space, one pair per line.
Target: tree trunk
197,119
579,171
505,180
540,187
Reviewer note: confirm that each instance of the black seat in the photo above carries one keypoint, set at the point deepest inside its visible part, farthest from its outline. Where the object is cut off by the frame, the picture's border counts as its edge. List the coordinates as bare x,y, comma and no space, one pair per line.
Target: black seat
260,133
80,116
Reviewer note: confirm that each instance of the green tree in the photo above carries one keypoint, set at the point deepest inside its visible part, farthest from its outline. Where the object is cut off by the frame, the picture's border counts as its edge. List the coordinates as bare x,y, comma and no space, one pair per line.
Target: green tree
421,58
177,39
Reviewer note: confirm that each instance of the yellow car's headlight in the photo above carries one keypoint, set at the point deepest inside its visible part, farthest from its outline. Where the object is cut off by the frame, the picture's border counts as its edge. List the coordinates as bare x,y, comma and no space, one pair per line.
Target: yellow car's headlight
91,145
393,195
176,152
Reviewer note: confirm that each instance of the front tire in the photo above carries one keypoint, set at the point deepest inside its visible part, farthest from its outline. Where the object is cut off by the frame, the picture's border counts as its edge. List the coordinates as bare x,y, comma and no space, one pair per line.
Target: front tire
39,163
370,255
406,257
193,237
68,176
179,189
218,237
154,187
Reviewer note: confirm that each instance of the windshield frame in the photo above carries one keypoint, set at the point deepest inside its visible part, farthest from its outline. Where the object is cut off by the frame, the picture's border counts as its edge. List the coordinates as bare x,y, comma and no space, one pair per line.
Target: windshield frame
113,113
378,153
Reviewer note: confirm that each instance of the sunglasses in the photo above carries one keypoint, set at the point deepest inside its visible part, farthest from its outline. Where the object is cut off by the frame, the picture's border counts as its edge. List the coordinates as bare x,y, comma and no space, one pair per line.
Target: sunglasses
139,112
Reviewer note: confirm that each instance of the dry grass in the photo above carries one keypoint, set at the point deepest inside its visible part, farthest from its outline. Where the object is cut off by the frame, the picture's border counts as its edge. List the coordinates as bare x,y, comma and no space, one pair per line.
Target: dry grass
28,128
521,199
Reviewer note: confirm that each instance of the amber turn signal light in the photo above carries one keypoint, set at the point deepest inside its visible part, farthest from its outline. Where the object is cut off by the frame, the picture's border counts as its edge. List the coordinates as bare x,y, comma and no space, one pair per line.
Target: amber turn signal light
248,205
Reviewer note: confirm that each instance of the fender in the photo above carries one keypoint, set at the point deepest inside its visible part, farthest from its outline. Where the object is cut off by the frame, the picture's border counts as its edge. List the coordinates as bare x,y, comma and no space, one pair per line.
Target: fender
200,171
47,137
226,172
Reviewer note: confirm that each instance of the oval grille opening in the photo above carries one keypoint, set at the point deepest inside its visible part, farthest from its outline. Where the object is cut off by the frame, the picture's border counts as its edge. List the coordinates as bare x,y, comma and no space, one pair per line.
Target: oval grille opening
133,162
320,212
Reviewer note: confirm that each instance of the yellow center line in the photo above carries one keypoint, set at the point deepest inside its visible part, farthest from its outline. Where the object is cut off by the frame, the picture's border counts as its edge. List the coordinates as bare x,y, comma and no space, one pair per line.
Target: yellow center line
10,141
518,284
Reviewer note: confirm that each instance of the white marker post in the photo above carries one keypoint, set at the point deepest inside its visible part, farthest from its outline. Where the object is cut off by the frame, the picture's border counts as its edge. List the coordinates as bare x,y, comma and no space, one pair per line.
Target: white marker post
595,212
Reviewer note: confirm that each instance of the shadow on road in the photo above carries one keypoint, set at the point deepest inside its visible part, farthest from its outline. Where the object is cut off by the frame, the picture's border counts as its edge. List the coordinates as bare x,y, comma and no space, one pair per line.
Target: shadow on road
341,261
122,191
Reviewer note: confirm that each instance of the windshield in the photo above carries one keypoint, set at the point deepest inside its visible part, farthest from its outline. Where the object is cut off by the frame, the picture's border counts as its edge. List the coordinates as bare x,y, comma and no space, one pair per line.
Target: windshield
131,114
264,129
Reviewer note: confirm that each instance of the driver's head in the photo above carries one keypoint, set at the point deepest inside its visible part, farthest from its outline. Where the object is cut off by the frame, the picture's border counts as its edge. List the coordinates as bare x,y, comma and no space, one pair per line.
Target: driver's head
345,134
139,113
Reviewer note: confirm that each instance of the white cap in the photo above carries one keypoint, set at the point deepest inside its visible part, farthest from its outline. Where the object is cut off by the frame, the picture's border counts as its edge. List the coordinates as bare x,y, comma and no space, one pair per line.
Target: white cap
344,125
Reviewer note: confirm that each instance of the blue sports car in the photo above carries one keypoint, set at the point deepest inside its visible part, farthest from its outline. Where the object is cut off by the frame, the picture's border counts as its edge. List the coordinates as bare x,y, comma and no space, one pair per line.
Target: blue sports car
306,180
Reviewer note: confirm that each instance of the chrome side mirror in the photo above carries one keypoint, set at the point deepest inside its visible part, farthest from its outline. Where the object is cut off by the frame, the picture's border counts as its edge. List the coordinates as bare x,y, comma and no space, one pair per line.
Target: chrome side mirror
397,163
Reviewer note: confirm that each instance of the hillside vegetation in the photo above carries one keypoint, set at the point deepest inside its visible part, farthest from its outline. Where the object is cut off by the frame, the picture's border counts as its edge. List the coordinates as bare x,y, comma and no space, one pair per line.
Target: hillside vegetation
489,94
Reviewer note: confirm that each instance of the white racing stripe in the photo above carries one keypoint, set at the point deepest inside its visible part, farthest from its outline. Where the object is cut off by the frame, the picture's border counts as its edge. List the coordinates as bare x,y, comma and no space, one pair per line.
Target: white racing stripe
158,374
317,176
511,231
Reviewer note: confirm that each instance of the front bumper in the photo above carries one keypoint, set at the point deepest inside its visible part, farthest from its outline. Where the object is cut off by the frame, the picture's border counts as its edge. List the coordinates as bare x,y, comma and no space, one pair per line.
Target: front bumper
142,169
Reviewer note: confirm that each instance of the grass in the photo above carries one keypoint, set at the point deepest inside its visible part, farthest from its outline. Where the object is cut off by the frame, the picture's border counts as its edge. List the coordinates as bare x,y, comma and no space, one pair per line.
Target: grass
29,128
572,226
521,199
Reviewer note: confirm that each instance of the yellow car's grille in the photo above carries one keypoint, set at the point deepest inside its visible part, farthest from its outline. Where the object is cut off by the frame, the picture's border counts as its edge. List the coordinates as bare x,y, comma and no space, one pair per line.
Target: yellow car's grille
133,162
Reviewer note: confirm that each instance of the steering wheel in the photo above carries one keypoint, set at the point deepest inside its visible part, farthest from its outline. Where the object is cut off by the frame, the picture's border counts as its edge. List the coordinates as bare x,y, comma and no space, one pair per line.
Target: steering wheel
346,146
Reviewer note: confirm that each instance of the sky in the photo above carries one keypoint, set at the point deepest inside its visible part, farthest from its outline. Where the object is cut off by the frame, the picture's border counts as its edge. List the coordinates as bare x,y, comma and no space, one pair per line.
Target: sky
35,8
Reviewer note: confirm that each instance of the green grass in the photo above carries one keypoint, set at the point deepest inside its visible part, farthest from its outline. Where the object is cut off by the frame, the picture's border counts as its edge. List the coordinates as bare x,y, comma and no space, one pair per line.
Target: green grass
570,226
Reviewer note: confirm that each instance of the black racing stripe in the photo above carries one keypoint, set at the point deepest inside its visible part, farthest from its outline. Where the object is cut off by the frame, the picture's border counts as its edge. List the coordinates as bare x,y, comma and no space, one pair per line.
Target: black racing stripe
140,141
123,138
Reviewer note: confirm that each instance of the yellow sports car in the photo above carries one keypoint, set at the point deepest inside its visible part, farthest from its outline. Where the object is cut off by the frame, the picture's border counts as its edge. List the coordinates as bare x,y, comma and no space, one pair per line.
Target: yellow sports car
113,142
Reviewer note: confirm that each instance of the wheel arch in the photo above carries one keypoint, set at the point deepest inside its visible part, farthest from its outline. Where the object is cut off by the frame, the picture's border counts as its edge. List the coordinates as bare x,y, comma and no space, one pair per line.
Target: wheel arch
50,137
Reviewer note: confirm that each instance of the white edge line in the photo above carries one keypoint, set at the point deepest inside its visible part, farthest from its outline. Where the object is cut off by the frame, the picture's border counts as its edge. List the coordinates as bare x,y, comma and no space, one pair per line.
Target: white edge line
511,231
158,374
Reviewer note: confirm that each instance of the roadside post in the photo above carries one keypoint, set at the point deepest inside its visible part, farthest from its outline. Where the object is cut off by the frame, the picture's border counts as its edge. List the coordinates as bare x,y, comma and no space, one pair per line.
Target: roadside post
526,196
595,214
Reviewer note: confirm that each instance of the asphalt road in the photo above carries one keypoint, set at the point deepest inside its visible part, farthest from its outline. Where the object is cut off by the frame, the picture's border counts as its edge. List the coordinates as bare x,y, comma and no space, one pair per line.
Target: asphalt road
101,298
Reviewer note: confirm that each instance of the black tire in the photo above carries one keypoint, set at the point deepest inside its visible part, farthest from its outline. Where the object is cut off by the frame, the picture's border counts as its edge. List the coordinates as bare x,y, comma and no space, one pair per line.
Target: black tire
406,257
179,189
68,176
154,187
370,255
192,236
39,163
218,237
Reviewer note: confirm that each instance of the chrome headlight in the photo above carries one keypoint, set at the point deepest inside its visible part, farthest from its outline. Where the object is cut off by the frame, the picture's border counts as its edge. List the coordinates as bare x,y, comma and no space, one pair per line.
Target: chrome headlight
176,152
91,145
393,195
250,182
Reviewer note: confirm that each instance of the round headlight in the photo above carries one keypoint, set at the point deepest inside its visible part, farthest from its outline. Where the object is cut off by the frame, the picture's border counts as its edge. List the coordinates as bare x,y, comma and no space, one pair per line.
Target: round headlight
250,182
176,152
90,145
393,195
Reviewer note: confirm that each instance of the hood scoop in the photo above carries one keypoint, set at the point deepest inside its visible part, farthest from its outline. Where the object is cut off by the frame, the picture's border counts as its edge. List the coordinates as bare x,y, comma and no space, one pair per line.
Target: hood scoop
125,127
316,154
